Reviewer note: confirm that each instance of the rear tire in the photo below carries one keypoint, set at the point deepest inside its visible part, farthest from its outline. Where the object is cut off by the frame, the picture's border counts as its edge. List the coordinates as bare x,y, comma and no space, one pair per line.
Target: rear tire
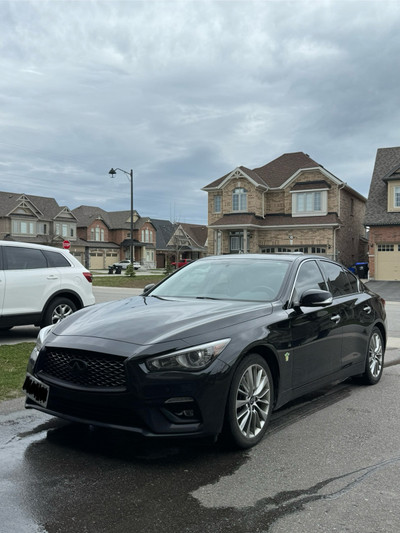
374,359
249,403
58,309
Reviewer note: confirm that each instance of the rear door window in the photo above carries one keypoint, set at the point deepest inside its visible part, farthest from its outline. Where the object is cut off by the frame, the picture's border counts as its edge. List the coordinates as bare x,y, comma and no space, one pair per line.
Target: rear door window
339,283
23,258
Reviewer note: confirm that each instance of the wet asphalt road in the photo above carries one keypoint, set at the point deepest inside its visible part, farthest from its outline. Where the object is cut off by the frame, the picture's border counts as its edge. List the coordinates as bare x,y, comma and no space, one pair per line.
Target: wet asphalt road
330,462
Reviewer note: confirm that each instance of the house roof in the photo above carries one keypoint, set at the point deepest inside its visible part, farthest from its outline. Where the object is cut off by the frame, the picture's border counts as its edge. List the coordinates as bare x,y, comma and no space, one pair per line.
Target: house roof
43,208
196,232
277,172
249,219
87,214
387,163
164,231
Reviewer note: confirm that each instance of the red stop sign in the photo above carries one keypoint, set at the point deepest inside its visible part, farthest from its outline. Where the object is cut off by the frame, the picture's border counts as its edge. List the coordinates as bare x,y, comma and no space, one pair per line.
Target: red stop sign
66,245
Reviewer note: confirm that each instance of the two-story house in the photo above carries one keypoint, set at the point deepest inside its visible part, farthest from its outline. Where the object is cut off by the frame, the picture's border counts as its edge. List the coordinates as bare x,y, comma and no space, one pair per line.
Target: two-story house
383,216
290,204
35,219
108,236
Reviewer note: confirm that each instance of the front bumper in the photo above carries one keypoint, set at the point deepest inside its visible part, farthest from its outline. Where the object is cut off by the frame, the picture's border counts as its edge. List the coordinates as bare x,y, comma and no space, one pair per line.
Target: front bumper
153,404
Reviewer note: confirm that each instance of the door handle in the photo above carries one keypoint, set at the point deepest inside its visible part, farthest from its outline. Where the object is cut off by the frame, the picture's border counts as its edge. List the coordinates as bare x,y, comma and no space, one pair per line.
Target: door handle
335,318
367,309
52,277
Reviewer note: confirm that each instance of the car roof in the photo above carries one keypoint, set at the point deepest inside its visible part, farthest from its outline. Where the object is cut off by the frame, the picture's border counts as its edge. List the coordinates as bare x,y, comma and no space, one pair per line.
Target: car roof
292,257
32,245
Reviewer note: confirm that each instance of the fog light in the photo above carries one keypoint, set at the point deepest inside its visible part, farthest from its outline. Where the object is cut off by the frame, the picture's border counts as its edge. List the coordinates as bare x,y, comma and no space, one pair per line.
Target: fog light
181,409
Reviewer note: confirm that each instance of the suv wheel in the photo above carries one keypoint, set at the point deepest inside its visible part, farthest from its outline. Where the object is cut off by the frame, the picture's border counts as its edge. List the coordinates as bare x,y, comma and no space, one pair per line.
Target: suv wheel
58,309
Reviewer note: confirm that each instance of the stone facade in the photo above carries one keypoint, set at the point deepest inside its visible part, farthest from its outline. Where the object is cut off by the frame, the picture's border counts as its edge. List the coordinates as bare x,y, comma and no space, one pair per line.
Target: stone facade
273,223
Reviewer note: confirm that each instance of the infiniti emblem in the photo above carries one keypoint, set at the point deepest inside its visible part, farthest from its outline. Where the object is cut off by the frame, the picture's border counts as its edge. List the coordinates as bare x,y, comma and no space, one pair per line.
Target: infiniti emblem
78,366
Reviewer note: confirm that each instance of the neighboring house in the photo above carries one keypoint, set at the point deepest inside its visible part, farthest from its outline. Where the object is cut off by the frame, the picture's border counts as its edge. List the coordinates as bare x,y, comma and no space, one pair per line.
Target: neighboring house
290,204
37,219
176,241
108,236
383,216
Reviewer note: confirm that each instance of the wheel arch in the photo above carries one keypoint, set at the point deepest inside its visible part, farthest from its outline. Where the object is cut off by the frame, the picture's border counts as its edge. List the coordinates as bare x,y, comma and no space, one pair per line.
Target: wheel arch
382,330
71,295
269,355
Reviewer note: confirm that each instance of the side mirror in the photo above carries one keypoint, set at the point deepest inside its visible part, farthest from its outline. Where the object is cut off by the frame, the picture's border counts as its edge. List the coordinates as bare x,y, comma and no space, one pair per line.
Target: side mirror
148,288
316,298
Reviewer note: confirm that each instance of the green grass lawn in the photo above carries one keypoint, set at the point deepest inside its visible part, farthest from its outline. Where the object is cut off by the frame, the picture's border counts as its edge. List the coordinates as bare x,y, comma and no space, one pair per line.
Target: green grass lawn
13,361
136,282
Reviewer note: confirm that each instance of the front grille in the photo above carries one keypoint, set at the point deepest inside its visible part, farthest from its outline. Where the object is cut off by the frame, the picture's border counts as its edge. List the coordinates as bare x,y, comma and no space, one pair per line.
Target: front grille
85,369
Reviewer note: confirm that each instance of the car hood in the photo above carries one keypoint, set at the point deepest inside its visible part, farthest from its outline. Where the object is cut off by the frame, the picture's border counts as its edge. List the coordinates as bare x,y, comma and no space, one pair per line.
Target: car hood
150,320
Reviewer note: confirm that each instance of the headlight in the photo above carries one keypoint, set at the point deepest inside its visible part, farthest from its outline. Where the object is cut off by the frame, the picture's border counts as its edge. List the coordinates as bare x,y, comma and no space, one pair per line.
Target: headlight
194,358
40,341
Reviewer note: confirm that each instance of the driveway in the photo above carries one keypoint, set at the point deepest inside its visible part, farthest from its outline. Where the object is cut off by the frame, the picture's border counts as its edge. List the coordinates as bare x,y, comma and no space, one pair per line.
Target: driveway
389,290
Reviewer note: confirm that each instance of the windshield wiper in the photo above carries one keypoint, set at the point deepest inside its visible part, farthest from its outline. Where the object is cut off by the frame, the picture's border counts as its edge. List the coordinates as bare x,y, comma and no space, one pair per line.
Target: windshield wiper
207,298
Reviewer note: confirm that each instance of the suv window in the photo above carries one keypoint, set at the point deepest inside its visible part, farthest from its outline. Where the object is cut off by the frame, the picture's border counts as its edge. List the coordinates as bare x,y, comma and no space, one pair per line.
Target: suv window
23,258
308,277
55,259
339,283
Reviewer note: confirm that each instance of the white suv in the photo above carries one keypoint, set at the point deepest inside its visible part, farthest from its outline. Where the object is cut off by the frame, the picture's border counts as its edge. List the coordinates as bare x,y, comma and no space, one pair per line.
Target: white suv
40,285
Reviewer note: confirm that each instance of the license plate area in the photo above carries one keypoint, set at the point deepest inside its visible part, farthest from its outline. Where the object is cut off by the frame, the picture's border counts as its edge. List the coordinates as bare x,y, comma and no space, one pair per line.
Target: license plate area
36,390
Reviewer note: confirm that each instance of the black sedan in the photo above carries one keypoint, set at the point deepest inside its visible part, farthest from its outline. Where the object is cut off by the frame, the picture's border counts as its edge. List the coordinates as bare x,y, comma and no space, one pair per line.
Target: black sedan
212,349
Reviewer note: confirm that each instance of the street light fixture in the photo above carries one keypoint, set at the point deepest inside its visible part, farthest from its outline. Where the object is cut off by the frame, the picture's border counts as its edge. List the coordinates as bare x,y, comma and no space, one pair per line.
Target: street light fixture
112,172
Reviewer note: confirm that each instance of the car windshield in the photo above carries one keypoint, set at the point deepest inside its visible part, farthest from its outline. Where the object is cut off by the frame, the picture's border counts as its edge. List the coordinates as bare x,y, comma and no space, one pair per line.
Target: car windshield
243,279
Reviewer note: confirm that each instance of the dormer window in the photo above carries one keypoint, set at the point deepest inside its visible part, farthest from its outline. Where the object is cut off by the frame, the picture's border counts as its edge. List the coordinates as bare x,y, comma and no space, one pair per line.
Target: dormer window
239,199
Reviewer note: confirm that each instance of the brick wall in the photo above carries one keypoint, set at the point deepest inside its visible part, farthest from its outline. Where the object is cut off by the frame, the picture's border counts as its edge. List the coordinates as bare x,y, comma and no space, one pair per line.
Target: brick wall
380,235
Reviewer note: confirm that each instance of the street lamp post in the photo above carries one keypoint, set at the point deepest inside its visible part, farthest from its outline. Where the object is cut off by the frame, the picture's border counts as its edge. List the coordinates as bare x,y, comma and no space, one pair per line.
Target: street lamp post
113,171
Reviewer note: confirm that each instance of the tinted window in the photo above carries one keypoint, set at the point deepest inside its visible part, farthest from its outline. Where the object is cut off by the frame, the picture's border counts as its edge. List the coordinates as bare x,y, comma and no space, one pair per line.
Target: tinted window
353,281
338,281
23,258
309,277
56,259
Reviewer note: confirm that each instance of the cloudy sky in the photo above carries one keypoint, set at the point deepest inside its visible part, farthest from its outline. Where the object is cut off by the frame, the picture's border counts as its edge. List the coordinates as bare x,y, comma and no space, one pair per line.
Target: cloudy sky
182,92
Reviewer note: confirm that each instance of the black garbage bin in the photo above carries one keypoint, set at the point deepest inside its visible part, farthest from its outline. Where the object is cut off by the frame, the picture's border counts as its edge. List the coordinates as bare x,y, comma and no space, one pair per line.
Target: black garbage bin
111,269
362,270
118,269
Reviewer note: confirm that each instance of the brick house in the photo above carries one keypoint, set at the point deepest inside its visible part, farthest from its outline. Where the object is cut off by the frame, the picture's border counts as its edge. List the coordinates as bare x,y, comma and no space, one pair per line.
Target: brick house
290,204
107,235
383,216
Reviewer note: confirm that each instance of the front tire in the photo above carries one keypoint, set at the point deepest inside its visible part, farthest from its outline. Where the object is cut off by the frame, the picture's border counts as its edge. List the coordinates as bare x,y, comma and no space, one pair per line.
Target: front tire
58,309
250,402
374,359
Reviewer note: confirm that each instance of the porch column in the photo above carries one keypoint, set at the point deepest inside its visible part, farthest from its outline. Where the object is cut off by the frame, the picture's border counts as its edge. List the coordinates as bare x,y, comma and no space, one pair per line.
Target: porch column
245,238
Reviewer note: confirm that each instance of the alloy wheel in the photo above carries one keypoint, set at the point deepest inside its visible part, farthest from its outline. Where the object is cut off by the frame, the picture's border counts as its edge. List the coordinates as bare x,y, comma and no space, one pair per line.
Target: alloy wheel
253,400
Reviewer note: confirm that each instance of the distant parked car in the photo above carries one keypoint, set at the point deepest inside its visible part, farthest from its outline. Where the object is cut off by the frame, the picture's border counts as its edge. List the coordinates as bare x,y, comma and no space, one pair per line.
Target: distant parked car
182,262
40,285
125,263
215,347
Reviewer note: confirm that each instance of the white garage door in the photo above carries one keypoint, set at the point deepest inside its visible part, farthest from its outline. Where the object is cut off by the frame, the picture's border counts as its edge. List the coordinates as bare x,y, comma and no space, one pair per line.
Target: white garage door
96,260
388,262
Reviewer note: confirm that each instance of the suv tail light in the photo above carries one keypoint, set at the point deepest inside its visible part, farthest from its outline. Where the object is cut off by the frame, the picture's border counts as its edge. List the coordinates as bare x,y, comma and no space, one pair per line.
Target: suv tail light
88,276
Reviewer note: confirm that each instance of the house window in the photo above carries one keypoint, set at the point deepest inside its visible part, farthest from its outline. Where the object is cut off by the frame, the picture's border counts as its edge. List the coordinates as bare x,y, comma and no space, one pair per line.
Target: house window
217,204
309,203
147,235
385,247
22,227
42,228
239,199
397,197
